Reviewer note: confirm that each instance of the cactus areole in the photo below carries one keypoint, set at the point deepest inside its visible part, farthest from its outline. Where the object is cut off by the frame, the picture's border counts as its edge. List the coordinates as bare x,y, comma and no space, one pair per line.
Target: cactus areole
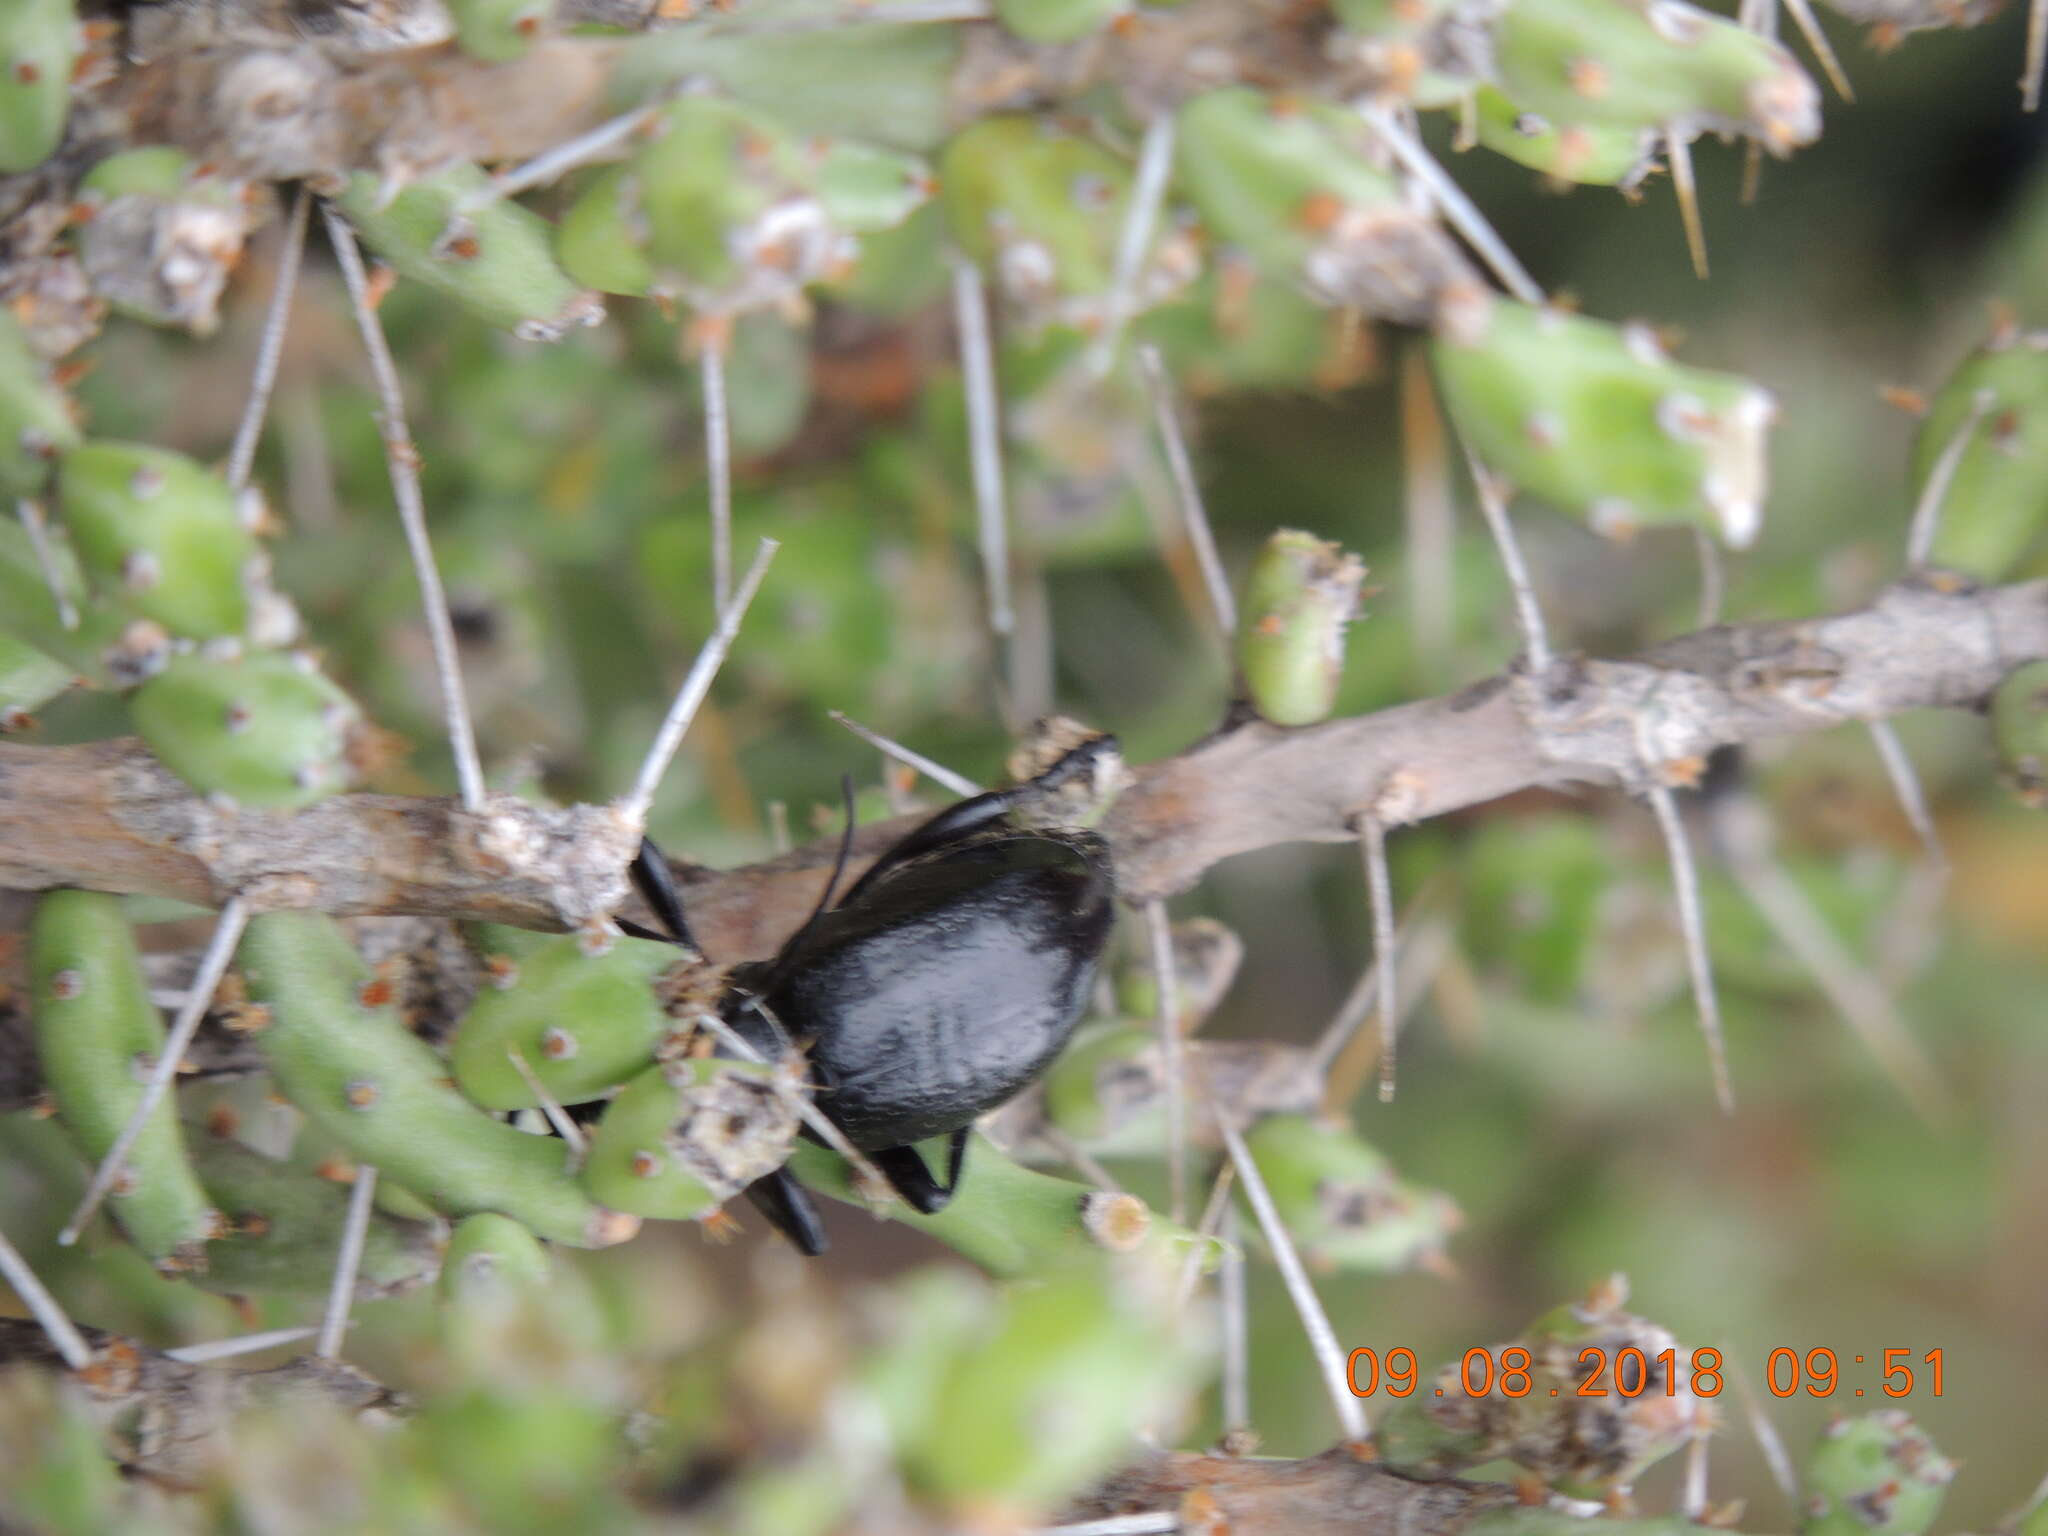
945,980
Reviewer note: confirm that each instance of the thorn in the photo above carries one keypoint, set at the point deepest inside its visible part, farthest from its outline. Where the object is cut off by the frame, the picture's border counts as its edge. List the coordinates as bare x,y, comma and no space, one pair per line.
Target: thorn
1160,931
1237,1397
1768,1440
1927,511
341,1294
1692,1501
241,1344
1679,151
778,826
1210,1225
227,933
276,319
1372,847
1823,51
1685,881
827,1130
718,466
31,515
1457,208
1493,507
403,464
1752,171
696,685
1898,767
938,773
566,1128
984,438
42,1306
1141,217
1713,577
1428,514
2037,54
554,162
1315,1322
1188,492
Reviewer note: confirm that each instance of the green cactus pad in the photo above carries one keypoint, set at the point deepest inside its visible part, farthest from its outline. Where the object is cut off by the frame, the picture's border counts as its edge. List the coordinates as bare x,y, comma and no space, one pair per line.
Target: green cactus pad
1294,184
497,261
38,47
489,1254
35,416
380,1091
1658,65
2019,726
1343,1202
1878,1475
602,240
1039,208
265,728
499,30
1594,419
161,532
684,1137
28,680
583,1023
97,1036
1593,154
1298,602
1057,21
1992,515
1103,1090
866,189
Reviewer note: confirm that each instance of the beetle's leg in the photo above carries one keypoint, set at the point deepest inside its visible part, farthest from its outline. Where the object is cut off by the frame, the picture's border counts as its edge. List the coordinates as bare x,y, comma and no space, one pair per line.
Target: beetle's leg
657,887
904,1168
789,1211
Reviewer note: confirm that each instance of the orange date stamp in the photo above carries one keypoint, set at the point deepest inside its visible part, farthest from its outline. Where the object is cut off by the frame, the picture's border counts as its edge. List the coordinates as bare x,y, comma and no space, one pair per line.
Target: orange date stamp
1628,1372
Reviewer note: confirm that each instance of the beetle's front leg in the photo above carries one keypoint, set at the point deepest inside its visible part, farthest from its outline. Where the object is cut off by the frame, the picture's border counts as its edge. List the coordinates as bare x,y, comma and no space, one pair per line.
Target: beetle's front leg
905,1169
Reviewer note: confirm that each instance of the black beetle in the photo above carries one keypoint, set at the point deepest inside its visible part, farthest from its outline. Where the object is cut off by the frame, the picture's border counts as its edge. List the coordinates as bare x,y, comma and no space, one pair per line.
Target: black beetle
943,982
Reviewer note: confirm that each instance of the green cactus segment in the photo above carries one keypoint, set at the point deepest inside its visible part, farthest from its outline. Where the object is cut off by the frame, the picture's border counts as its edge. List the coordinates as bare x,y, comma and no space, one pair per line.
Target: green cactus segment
1662,65
1417,50
1302,595
38,47
1992,515
1080,1357
35,416
1596,420
683,1138
1293,184
380,1091
2019,726
97,1037
28,680
284,1226
1042,210
157,170
1103,1091
1877,1475
1005,1217
496,260
1533,891
1342,1200
162,532
866,189
583,1023
29,613
1206,957
498,30
265,728
1592,154
491,1255
602,240
1057,21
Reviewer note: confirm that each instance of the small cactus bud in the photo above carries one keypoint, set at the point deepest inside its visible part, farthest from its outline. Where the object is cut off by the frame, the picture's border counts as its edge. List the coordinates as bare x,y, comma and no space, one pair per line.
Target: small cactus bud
1302,595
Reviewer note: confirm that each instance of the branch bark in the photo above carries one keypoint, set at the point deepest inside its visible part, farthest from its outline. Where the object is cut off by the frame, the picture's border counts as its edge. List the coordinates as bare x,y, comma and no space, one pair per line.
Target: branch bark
107,816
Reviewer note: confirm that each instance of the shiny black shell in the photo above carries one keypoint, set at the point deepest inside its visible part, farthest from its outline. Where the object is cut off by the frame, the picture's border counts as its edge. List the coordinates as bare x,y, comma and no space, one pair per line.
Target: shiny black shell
945,986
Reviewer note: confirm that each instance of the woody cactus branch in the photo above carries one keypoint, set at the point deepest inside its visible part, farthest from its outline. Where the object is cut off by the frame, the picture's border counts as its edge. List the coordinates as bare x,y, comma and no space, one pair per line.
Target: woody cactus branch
107,816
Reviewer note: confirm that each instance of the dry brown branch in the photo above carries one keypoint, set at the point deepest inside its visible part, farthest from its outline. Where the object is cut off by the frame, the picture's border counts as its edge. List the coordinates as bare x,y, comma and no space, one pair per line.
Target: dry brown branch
108,817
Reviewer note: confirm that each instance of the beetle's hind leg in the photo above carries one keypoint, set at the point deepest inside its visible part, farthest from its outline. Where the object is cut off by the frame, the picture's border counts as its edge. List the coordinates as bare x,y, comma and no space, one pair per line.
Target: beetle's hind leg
904,1168
788,1208
657,887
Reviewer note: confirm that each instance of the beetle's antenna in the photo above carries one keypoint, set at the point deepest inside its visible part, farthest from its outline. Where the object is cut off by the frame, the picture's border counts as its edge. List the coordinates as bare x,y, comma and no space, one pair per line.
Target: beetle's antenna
984,438
1742,830
1927,510
1141,217
786,957
403,462
242,456
341,1294
240,1344
565,1127
1171,1067
1379,886
938,773
1493,506
1692,923
1315,1322
634,805
43,1307
227,933
1188,491
1451,201
1678,150
717,457
31,515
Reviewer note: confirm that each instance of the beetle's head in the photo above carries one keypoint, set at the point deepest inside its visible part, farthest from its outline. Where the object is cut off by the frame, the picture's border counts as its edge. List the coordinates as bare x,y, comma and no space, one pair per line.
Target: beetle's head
1067,774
